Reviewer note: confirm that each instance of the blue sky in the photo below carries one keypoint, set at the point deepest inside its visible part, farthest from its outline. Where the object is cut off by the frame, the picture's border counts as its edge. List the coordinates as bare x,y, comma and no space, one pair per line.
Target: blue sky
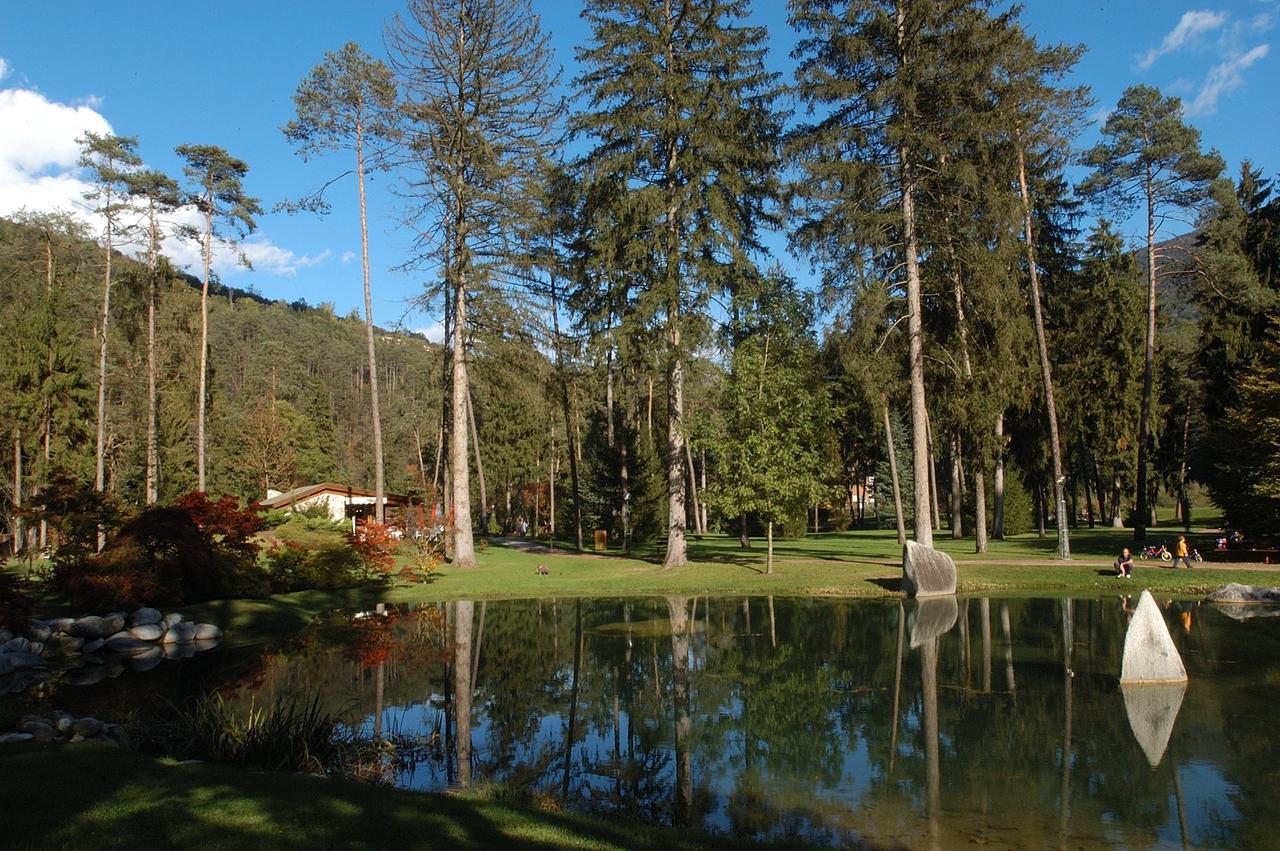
223,73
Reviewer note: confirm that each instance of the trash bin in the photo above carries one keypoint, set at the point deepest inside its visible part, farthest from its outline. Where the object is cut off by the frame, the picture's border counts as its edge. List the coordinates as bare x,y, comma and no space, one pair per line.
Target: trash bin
602,540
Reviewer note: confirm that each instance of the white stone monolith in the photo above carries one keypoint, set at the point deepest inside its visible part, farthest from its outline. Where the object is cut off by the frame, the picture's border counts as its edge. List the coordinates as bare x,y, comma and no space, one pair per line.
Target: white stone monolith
1149,654
927,572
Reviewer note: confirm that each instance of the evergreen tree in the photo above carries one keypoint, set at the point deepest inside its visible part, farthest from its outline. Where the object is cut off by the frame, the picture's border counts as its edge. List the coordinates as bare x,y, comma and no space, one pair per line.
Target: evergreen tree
480,107
217,192
679,113
347,102
109,159
1149,157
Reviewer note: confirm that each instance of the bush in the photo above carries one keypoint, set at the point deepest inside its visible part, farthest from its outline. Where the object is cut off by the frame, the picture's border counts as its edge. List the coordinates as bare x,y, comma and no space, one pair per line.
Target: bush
376,544
15,608
164,556
76,512
291,566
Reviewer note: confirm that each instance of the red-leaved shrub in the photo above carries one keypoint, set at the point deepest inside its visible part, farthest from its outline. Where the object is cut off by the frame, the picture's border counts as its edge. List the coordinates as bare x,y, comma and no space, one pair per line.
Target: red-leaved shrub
376,544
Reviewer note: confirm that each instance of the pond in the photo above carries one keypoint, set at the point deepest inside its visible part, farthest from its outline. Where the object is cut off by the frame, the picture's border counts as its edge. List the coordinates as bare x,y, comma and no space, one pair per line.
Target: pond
935,724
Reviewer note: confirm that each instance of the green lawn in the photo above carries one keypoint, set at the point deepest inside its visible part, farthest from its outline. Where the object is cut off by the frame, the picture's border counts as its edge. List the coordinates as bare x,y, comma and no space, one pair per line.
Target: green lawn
92,796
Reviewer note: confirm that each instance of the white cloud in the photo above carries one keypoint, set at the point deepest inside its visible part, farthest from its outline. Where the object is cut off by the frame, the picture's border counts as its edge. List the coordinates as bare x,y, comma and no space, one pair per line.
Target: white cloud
39,173
1191,26
348,256
4,68
1224,77
433,332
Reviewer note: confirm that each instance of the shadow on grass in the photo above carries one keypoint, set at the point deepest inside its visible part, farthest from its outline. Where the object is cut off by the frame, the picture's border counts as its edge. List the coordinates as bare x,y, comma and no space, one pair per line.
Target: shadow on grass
139,802
888,584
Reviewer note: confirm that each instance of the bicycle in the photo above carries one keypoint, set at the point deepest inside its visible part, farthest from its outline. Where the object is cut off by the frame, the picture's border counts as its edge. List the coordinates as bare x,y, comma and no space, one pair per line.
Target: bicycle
1153,552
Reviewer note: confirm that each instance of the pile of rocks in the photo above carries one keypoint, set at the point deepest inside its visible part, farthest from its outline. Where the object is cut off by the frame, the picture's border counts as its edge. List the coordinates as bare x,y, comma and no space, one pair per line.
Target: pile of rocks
144,639
62,726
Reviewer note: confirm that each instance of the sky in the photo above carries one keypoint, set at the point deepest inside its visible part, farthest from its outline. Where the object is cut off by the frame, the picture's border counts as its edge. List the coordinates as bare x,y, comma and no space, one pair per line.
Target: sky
224,73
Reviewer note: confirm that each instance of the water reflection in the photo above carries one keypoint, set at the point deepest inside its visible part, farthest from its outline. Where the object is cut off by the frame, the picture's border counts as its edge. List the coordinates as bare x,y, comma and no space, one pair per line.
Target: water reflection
835,721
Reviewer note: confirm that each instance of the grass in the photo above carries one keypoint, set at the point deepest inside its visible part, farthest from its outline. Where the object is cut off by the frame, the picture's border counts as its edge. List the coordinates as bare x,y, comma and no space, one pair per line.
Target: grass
92,796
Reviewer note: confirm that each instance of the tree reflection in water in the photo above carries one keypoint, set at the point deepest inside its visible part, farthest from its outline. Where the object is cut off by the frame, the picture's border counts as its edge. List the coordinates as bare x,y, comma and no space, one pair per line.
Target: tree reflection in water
674,710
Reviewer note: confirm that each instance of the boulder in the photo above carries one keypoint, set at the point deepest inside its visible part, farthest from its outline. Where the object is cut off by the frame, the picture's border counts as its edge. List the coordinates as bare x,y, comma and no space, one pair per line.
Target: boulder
62,645
1149,653
39,631
1236,593
5,635
62,625
6,665
64,724
1152,709
185,650
85,676
148,632
125,643
15,738
932,618
927,572
42,731
36,648
18,645
145,616
1237,612
26,660
180,633
207,632
92,627
171,619
93,646
148,659
87,727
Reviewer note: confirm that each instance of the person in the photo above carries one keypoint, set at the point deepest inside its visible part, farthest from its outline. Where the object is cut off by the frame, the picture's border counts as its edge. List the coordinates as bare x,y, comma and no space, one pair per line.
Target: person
1180,552
1124,564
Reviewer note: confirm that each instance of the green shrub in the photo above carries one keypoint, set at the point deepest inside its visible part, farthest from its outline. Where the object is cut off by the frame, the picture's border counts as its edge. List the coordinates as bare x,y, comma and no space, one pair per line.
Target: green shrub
293,567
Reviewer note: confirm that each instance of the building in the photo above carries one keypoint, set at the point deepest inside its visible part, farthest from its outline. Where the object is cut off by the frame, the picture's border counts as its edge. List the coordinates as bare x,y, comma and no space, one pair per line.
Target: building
340,501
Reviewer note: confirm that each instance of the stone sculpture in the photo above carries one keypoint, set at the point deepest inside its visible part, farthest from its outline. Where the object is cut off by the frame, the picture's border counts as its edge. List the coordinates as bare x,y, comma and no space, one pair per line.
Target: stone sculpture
1149,653
927,572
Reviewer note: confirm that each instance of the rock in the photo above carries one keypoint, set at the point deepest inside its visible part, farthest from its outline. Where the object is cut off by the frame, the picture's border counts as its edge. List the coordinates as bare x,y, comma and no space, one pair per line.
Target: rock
145,616
180,651
42,731
62,625
1149,654
65,724
39,631
36,648
148,659
1152,709
15,738
92,627
207,632
113,668
87,727
6,665
206,644
1237,593
125,643
5,635
179,633
927,572
18,645
61,645
932,618
171,619
93,646
76,738
148,632
26,660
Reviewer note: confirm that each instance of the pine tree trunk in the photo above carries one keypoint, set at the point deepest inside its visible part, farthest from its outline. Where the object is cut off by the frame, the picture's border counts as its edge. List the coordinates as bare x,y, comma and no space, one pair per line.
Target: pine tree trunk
997,498
475,446
608,396
933,476
677,546
17,490
1117,512
568,411
703,456
893,469
769,558
202,394
1046,369
379,476
464,554
957,496
1140,514
1184,492
100,446
677,608
153,397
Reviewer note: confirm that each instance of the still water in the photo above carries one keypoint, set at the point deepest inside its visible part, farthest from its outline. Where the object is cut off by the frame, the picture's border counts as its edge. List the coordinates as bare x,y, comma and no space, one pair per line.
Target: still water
935,724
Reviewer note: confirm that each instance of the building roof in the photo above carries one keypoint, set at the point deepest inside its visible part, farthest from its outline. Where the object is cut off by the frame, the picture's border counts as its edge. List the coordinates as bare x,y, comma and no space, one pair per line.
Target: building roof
305,492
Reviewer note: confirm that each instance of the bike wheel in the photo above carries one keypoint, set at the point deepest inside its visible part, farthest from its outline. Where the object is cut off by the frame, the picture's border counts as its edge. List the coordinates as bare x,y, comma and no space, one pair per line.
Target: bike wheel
1166,556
